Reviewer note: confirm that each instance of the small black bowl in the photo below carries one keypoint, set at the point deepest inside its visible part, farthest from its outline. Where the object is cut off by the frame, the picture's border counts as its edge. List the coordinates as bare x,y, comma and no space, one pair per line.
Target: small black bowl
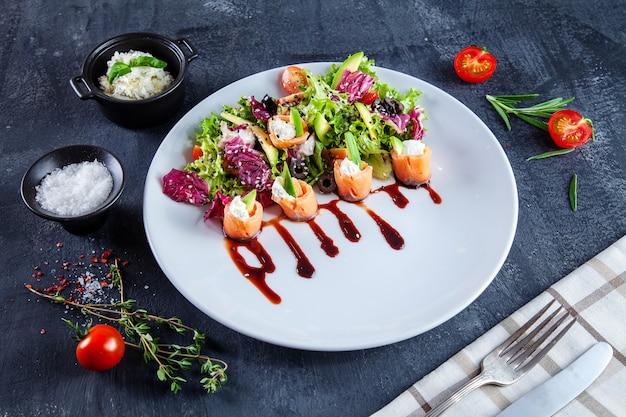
136,114
84,223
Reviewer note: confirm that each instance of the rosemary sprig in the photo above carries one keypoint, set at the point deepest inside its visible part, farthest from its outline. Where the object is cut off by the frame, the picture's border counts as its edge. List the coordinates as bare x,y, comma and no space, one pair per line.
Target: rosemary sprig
505,105
170,358
551,153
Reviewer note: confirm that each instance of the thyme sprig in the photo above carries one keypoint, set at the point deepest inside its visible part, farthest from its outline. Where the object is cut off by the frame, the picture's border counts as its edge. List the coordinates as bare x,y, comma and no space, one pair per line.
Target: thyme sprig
505,105
171,359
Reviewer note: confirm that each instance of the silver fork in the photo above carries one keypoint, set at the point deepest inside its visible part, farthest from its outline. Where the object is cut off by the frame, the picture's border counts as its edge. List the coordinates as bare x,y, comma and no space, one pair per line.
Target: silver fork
512,359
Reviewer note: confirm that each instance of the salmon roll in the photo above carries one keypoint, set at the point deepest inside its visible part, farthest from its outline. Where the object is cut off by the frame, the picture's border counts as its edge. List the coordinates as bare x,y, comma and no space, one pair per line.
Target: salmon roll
240,222
353,183
411,165
284,132
303,207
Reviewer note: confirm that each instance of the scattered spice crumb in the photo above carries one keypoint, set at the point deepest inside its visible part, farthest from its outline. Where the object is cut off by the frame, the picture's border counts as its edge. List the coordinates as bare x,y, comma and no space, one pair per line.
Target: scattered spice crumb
86,282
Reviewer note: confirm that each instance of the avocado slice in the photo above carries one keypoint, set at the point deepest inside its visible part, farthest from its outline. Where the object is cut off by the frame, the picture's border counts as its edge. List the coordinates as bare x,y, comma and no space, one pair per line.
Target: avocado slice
351,64
270,151
249,200
288,182
236,120
321,126
367,118
297,121
397,144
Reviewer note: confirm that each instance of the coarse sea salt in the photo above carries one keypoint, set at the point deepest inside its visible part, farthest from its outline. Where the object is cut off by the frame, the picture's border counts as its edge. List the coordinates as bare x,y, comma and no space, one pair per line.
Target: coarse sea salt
75,189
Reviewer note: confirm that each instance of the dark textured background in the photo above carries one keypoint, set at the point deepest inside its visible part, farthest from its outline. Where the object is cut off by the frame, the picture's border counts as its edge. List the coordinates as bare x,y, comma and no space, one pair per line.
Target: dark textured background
554,48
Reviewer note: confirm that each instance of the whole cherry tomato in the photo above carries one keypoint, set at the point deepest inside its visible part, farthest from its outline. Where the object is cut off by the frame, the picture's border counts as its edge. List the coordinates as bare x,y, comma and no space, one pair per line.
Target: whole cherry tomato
474,64
292,79
101,349
569,129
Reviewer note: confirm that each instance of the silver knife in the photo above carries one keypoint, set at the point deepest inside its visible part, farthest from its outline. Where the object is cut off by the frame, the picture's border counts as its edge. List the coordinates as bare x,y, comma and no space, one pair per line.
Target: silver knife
553,394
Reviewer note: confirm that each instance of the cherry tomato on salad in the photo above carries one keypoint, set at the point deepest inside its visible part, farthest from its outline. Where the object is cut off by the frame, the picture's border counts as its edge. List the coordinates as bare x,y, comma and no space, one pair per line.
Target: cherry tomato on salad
197,152
569,129
101,349
474,64
369,97
292,79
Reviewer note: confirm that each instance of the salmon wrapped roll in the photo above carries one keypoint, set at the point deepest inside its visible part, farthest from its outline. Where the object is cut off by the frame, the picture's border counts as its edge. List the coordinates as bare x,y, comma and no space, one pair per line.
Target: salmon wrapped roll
303,207
241,223
287,131
353,183
411,163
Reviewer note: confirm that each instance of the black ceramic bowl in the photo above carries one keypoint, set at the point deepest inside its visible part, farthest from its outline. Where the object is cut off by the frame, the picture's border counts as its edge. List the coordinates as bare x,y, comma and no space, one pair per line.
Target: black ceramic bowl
60,158
136,113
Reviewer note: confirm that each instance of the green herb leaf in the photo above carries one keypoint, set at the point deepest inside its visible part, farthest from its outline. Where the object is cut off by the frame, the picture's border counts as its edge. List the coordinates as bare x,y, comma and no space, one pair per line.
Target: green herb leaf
147,61
117,70
537,123
353,150
551,153
573,192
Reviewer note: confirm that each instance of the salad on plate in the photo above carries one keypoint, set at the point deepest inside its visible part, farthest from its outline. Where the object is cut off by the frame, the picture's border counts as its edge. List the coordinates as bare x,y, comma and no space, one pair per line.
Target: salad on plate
330,132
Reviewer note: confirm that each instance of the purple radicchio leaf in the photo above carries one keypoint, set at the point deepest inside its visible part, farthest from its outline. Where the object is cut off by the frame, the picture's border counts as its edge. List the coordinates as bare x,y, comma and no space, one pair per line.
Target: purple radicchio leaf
260,110
186,186
416,116
265,198
356,84
251,168
399,121
216,208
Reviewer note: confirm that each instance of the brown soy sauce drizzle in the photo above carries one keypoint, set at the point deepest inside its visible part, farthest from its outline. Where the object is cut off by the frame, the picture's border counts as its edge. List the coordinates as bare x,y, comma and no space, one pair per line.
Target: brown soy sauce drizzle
305,269
303,266
327,244
393,190
345,223
392,236
256,275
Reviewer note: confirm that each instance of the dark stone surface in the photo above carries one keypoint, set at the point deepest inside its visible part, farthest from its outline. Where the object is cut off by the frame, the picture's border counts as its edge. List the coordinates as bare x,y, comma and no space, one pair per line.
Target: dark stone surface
573,48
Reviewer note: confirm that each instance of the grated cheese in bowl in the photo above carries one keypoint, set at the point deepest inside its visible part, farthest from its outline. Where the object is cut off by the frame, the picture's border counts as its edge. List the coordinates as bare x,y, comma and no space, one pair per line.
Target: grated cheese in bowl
140,83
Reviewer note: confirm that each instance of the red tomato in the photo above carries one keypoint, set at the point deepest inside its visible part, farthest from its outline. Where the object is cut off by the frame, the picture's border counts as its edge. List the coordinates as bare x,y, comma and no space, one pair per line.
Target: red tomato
101,349
369,97
292,79
569,129
474,64
197,152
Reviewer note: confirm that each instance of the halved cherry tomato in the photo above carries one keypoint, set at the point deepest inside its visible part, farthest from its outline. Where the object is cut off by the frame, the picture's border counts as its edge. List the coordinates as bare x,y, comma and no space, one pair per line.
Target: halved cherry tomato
569,129
101,349
474,64
292,79
197,152
369,97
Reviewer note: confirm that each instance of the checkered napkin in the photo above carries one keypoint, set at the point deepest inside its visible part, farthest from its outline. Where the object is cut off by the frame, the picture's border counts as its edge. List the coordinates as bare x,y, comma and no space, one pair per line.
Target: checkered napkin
596,293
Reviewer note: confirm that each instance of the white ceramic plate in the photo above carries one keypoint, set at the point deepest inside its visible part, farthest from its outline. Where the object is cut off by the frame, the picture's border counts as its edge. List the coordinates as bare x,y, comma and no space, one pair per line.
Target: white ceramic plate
369,294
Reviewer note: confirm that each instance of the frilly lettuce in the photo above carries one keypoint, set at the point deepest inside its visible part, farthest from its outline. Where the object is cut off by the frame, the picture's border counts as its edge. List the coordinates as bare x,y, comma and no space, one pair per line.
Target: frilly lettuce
373,137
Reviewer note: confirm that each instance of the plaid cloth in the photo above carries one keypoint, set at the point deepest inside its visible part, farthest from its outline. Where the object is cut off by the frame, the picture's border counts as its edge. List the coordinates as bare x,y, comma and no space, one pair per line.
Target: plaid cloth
596,293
